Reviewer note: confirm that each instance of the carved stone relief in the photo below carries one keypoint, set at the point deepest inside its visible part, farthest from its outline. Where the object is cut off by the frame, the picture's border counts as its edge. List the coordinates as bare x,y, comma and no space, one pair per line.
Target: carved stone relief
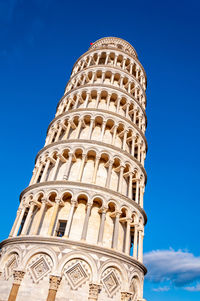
77,273
39,267
111,281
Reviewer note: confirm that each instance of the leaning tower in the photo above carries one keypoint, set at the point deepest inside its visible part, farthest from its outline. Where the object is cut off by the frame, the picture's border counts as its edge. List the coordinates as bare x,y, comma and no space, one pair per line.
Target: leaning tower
78,232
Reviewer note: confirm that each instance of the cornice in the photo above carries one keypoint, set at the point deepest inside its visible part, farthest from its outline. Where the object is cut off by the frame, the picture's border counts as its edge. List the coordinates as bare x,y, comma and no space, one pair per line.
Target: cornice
103,111
58,241
114,39
87,186
102,86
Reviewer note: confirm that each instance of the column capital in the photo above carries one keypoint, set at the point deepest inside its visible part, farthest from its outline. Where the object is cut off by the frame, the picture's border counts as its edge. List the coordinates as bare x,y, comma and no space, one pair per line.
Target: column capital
59,202
44,201
103,210
94,289
126,296
18,276
74,202
54,282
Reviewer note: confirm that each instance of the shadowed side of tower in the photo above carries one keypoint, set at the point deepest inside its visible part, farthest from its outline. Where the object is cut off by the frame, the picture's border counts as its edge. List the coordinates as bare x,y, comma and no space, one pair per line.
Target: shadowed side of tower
78,232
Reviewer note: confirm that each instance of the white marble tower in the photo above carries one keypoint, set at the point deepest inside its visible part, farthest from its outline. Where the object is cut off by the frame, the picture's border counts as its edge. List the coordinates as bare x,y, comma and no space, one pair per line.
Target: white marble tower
78,233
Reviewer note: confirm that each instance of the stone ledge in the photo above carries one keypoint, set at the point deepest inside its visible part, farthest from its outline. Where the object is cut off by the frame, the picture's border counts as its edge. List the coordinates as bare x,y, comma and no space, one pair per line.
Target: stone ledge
83,246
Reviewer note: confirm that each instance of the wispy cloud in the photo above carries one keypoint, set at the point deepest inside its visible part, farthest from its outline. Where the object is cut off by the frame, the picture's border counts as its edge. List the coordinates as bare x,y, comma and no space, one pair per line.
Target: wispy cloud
195,288
178,267
161,289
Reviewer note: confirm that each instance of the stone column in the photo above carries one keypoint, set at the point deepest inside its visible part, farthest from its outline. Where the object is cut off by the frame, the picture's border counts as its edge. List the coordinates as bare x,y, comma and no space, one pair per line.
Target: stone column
90,129
127,109
67,170
54,215
18,276
44,174
140,246
97,101
38,172
108,101
135,242
103,129
133,145
19,221
81,167
126,296
118,104
53,177
107,57
120,183
109,173
137,191
33,175
94,290
28,218
128,236
124,139
101,228
86,100
134,116
15,222
141,195
41,213
85,226
78,128
103,76
54,282
95,169
114,134
116,230
67,131
130,185
58,133
70,218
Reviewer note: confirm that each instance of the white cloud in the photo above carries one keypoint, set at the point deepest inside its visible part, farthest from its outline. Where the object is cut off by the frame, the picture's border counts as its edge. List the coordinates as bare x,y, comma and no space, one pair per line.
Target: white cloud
161,289
178,267
195,288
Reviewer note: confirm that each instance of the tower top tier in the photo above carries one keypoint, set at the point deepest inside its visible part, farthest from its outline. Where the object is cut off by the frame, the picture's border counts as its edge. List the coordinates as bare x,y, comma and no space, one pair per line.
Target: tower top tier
114,42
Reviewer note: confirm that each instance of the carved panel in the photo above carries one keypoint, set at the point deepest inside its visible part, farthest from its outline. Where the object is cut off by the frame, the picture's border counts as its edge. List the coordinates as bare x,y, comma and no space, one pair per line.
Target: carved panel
11,265
111,281
39,267
77,274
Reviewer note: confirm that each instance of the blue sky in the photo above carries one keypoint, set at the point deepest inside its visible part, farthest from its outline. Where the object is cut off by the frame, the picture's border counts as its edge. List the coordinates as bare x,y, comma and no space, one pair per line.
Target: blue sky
40,41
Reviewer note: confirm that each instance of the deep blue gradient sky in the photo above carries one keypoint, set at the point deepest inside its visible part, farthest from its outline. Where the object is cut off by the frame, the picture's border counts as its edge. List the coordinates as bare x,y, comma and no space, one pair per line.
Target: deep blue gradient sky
40,41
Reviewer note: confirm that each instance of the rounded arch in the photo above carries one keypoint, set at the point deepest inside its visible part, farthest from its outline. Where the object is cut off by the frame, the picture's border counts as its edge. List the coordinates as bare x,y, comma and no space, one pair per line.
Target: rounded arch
135,285
41,250
13,250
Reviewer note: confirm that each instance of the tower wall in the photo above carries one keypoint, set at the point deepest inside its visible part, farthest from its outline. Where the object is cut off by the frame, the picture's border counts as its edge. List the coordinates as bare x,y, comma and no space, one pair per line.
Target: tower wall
78,233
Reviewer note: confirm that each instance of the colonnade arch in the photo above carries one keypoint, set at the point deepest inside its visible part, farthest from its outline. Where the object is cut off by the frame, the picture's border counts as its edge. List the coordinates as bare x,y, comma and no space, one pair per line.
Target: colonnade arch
114,59
106,100
99,127
117,226
111,78
96,167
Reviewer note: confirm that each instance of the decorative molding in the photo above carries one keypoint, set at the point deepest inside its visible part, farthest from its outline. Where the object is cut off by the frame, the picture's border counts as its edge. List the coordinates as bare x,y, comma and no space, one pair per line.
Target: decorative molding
18,276
111,282
39,267
76,275
126,296
94,290
54,282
